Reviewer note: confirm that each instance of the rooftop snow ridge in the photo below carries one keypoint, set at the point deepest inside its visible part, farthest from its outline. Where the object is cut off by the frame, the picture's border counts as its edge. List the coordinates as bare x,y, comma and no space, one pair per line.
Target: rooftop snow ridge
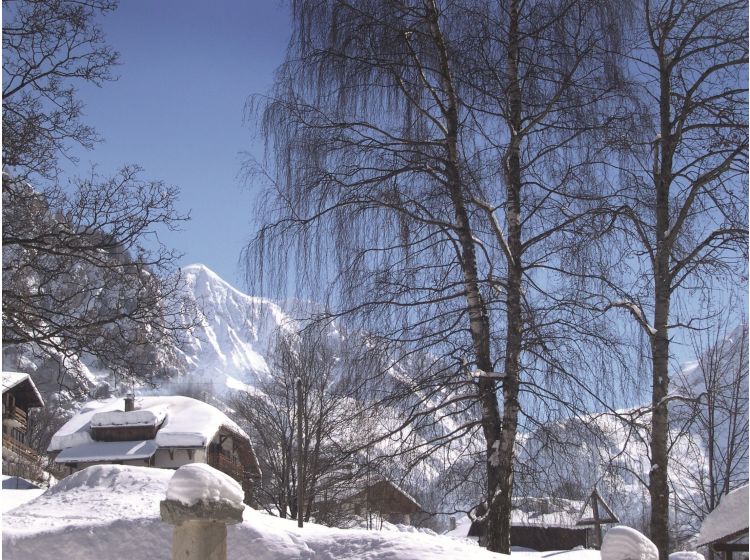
114,418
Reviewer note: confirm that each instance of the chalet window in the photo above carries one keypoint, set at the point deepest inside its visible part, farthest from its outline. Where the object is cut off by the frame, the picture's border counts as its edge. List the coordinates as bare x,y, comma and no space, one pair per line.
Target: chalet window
18,435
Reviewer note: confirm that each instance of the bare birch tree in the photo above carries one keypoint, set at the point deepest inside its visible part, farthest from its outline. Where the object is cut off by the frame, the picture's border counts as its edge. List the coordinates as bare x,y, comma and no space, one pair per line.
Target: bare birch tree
402,139
683,193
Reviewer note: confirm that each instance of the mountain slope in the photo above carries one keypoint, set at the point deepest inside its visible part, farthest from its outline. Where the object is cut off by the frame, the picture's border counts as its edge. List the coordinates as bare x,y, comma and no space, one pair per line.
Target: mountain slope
230,347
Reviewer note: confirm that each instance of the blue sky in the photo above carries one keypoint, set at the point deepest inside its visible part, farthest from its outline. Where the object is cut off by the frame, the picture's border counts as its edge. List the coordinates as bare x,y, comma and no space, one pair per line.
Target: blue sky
187,68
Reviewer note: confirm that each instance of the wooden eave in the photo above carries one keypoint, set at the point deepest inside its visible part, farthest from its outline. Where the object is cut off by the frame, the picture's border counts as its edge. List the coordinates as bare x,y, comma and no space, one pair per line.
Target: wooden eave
26,394
726,538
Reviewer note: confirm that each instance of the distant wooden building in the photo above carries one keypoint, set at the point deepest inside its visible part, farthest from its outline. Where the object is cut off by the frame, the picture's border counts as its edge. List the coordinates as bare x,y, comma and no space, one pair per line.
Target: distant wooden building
20,395
540,524
161,432
388,500
725,529
383,499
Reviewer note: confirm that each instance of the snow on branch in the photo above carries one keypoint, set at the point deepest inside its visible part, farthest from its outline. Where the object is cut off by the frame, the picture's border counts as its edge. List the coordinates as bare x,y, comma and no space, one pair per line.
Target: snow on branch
635,311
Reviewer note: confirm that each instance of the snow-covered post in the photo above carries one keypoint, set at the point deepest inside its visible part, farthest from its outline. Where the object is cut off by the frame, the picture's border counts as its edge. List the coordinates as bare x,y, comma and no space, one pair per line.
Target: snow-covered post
201,502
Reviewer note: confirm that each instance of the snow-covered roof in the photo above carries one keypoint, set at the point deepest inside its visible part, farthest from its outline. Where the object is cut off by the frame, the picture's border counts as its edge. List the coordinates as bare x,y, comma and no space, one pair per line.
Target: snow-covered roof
403,493
729,520
107,451
117,418
188,423
382,481
14,378
545,511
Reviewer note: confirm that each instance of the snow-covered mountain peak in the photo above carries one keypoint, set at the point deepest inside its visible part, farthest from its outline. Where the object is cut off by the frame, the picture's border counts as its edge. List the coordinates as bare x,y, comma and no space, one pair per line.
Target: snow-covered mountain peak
205,282
236,332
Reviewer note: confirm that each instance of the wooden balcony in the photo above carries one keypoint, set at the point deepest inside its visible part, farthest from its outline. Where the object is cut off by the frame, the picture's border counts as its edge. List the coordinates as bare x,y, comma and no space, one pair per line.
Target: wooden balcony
21,450
15,417
225,464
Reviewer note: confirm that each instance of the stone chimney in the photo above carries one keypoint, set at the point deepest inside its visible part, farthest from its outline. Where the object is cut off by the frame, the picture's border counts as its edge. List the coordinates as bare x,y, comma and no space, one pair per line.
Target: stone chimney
129,402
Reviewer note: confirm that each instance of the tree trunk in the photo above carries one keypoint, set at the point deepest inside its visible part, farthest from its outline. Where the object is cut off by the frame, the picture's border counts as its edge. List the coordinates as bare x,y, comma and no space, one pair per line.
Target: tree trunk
498,527
478,316
658,479
658,475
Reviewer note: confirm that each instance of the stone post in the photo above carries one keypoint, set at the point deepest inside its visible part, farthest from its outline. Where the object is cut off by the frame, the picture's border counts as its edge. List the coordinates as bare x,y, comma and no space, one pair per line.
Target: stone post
200,530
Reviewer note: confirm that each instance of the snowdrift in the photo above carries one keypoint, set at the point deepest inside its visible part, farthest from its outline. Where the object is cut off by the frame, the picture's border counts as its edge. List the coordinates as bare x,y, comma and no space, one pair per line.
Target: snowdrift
112,511
625,543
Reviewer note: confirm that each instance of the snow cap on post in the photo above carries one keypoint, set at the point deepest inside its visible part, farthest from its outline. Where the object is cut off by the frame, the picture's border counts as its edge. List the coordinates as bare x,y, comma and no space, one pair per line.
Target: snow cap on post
198,482
198,492
625,543
201,502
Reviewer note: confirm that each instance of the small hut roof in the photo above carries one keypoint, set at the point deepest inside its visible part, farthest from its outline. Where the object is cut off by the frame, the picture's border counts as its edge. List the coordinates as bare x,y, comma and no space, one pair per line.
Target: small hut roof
728,521
385,486
606,515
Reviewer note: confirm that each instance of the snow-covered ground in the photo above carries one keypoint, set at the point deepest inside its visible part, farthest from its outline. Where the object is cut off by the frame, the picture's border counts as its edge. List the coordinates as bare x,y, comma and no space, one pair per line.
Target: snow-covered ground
17,491
112,511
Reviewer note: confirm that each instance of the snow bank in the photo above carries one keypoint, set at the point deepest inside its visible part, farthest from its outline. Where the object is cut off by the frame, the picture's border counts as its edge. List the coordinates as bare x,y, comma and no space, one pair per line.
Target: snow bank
686,555
198,482
17,491
112,511
11,498
625,543
728,519
518,553
463,524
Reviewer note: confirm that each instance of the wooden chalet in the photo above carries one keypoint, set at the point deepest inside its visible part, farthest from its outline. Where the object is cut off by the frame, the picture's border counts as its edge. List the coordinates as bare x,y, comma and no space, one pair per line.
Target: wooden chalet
541,524
383,499
725,529
386,499
160,432
20,395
